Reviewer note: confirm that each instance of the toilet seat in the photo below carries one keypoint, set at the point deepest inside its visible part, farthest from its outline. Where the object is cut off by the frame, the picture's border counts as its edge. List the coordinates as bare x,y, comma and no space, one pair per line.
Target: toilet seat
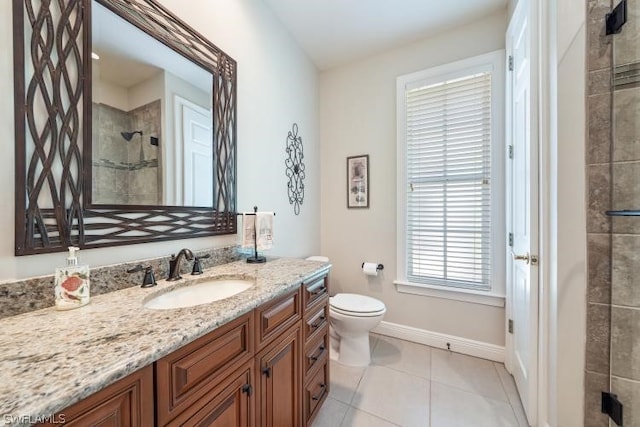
356,305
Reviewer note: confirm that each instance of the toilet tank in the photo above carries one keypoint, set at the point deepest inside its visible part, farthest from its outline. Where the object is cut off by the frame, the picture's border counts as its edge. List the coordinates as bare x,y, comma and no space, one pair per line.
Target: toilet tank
318,258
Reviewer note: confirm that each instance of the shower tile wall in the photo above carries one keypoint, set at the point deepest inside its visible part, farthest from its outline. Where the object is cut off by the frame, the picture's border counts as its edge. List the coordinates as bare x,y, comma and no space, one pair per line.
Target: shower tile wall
613,164
145,179
625,254
126,172
599,52
110,155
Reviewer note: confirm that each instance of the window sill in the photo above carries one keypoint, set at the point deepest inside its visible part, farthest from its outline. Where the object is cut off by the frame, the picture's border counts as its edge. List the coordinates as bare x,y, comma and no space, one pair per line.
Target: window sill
465,295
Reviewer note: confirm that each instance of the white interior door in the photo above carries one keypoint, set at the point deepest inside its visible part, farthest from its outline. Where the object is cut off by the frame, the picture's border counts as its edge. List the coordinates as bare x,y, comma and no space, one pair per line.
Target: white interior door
197,157
522,270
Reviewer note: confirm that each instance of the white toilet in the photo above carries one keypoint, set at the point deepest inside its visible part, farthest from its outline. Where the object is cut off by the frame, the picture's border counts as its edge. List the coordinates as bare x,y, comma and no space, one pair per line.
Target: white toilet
351,318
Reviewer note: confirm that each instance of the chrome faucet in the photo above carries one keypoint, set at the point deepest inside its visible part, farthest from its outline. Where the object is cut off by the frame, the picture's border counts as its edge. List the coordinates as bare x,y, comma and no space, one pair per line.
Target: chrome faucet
174,263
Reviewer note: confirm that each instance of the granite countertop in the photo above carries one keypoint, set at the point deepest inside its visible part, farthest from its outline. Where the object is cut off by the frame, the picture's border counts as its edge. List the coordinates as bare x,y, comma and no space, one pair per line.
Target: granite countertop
51,359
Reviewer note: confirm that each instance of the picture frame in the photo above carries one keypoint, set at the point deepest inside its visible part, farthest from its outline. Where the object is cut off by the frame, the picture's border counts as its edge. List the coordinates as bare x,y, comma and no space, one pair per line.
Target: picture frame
358,187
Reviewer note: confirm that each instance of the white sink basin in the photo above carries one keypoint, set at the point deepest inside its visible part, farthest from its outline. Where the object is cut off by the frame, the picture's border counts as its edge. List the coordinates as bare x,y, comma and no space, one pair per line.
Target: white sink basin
199,293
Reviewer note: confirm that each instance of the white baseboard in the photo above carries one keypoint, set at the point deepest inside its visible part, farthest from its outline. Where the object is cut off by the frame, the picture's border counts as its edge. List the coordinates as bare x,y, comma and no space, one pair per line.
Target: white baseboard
435,339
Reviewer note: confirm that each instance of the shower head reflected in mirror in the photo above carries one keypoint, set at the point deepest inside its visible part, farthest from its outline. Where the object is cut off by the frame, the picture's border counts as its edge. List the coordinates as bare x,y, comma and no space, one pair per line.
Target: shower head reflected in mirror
128,135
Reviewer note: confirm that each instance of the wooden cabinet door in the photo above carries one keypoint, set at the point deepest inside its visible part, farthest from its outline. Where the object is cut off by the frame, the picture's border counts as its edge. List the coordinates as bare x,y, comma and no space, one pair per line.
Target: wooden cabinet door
280,383
126,403
228,405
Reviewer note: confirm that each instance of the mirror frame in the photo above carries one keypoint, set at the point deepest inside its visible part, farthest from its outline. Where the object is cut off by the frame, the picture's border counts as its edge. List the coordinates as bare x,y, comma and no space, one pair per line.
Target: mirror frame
60,88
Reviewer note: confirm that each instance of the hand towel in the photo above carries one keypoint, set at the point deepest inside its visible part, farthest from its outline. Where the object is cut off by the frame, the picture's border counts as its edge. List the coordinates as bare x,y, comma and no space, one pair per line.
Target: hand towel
248,230
264,225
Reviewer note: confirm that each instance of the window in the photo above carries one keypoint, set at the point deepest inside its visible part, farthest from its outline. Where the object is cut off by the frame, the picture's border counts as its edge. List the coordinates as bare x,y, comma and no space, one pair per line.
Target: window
450,177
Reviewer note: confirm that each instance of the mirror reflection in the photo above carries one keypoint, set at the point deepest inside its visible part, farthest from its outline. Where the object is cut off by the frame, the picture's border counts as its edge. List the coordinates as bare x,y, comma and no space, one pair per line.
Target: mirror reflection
152,133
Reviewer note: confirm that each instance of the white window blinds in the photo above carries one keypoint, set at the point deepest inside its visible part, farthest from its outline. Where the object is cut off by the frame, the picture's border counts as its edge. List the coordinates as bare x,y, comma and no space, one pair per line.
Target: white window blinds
448,164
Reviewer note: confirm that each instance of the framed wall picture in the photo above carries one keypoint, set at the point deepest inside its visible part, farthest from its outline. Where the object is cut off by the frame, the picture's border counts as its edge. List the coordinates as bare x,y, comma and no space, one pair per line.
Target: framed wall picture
358,181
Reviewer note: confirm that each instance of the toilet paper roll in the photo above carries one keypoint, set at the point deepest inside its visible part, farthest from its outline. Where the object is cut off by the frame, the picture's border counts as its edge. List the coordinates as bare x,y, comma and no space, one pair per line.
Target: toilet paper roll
370,268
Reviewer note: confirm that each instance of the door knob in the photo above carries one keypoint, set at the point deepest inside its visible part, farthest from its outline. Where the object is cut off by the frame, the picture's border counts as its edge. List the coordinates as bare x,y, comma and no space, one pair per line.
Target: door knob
524,258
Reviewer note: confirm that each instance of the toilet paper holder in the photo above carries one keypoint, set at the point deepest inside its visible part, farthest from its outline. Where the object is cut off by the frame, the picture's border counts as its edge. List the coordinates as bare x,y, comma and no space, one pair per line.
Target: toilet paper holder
379,267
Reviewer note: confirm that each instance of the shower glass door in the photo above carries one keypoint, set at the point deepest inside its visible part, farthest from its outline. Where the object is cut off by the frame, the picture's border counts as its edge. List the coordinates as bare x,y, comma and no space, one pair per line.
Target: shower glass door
625,252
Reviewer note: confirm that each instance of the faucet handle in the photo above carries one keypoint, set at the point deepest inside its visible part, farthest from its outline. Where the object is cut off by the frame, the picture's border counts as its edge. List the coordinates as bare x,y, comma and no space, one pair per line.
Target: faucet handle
149,279
197,265
135,269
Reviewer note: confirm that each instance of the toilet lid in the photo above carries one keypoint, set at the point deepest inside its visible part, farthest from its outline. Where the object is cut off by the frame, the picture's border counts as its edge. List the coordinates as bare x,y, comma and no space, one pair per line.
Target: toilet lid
354,303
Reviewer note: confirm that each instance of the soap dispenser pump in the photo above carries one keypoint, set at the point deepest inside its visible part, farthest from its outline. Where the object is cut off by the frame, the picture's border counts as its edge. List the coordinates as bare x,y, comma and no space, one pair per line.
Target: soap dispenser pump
72,283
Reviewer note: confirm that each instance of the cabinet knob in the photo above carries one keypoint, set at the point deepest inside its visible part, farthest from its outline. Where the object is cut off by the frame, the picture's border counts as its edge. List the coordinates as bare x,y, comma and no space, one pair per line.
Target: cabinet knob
315,358
319,396
266,371
318,323
320,290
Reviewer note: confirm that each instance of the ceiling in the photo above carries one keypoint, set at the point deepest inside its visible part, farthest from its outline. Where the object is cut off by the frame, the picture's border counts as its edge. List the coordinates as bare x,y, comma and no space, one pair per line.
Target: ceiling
129,57
334,32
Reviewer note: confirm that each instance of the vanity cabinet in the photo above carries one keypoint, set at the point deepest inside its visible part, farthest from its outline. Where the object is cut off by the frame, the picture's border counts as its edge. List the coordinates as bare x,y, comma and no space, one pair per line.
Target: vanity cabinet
268,367
315,360
127,402
278,362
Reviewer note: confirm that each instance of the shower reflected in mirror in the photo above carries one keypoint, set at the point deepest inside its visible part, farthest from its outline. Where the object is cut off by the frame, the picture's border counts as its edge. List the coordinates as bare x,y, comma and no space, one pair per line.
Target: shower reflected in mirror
128,135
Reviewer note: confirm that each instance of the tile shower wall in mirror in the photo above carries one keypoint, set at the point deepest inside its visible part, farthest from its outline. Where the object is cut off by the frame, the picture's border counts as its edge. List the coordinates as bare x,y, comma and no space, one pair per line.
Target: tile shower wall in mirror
126,167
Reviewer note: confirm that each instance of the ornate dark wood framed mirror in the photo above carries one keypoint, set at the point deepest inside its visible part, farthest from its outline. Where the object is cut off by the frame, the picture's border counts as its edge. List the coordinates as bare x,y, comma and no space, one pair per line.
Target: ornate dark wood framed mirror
81,139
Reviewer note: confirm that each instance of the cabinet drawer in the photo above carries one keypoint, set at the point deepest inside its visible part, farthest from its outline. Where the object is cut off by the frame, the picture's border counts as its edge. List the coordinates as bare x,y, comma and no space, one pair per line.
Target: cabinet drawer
275,317
315,353
228,404
188,373
315,320
315,392
314,290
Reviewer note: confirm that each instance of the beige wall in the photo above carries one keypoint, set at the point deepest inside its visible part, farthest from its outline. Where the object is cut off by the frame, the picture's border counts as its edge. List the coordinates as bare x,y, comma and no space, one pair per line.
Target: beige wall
358,116
277,86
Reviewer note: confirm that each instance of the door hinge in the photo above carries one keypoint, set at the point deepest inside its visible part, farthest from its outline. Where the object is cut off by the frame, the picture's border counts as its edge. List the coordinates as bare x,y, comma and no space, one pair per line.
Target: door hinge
247,389
510,328
511,151
612,407
511,239
616,19
510,63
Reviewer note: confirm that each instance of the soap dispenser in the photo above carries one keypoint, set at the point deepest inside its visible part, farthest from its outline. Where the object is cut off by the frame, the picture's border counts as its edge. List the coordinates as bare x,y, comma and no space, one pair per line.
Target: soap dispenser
72,283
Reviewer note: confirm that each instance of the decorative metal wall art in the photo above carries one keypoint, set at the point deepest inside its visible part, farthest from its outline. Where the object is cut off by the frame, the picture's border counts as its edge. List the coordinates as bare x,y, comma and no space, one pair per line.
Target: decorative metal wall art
295,169
52,57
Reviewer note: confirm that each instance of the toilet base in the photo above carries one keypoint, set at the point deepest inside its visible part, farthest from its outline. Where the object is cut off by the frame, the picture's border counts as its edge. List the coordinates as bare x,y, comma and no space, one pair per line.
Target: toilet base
351,351
334,344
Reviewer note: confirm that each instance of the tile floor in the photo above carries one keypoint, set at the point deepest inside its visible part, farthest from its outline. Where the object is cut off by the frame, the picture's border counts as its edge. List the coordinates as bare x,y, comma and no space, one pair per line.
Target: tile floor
409,385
